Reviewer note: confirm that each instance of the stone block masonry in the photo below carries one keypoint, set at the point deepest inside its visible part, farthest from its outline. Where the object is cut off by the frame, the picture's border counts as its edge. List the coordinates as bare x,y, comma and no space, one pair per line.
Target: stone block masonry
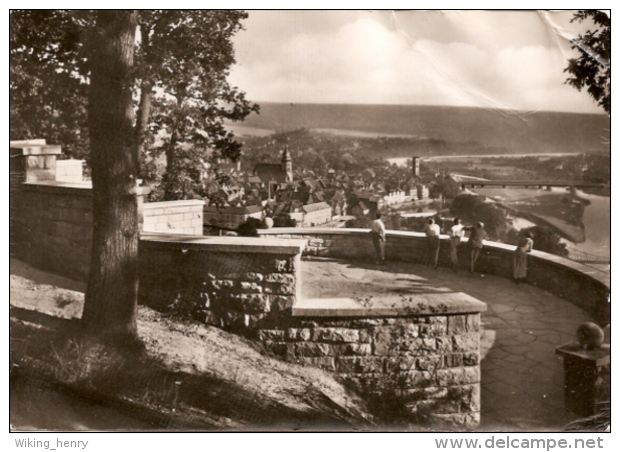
420,364
175,217
53,227
51,216
29,161
69,170
235,283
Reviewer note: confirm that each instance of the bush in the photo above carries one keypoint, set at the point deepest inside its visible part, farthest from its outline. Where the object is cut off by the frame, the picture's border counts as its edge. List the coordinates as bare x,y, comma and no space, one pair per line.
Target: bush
546,240
284,221
357,223
473,208
445,186
249,228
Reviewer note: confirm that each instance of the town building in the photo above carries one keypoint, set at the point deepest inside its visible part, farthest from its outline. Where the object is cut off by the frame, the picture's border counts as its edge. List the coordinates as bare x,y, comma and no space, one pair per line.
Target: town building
316,214
276,176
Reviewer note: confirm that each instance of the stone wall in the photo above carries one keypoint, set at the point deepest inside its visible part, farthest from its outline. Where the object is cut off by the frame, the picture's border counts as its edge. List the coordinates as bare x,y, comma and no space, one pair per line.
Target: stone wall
54,227
420,365
51,220
580,284
236,283
175,217
29,161
69,170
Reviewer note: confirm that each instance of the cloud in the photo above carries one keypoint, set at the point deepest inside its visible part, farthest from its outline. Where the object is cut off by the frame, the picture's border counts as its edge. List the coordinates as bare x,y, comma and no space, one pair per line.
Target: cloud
370,60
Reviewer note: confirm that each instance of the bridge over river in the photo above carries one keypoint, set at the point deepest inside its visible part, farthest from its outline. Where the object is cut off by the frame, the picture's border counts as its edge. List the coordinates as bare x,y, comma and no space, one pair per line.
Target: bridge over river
542,184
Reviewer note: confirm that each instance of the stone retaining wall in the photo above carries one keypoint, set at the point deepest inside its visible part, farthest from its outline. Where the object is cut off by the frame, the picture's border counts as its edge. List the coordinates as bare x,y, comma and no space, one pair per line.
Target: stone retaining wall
51,218
54,227
29,161
235,283
417,367
580,284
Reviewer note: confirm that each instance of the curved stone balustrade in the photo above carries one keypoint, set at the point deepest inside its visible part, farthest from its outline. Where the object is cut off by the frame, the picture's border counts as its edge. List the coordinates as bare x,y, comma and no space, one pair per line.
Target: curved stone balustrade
580,284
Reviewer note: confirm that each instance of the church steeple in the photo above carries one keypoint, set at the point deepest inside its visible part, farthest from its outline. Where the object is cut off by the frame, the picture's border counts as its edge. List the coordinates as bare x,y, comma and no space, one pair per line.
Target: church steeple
287,164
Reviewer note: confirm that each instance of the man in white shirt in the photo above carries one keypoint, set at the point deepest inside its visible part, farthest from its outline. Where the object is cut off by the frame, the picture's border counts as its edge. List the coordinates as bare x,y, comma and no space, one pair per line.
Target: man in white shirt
377,232
457,232
432,233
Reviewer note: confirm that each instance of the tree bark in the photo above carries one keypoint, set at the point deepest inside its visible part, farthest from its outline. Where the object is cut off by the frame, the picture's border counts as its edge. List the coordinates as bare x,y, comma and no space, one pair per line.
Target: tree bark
111,295
146,92
170,173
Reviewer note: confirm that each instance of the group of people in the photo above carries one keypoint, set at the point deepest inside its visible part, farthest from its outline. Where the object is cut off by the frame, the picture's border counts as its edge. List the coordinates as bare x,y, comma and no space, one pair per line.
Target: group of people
457,233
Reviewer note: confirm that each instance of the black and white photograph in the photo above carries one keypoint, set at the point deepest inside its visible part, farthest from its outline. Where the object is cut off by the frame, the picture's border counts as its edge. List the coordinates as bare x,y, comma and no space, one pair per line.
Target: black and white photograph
276,221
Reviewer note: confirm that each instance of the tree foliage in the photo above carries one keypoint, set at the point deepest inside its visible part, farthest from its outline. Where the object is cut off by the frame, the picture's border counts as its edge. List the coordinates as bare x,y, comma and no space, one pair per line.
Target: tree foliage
546,240
284,221
250,227
184,59
182,96
474,208
47,89
592,69
443,186
62,62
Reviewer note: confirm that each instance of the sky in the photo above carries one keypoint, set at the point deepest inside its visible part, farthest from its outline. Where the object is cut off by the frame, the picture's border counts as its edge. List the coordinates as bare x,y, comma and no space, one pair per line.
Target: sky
505,59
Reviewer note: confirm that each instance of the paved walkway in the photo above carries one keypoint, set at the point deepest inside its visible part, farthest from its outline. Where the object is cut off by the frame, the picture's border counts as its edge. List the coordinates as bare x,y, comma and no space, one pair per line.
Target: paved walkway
522,377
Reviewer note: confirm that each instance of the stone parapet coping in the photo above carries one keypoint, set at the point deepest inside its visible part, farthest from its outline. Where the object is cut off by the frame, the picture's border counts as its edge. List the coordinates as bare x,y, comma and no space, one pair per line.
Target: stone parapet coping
30,142
19,148
184,202
84,188
49,186
550,259
429,304
224,244
600,356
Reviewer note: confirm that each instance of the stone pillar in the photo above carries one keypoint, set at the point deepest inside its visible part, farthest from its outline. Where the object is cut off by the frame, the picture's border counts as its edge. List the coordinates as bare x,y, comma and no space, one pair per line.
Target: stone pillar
29,161
584,375
33,161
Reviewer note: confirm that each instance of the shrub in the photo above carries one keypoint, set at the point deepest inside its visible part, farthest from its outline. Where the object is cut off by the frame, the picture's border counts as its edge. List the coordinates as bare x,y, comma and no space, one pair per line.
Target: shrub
546,240
249,228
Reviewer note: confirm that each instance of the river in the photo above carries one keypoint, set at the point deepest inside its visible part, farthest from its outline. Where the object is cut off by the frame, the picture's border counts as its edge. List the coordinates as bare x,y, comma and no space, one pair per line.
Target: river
597,223
596,217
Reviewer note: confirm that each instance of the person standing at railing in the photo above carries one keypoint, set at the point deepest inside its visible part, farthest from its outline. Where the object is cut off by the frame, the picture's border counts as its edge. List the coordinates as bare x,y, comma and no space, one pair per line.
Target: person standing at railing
457,231
526,244
476,242
432,233
377,233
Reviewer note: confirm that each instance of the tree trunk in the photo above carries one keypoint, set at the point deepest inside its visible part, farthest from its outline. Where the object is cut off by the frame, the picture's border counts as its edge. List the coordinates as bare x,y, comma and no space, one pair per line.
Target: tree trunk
111,294
146,92
144,110
171,170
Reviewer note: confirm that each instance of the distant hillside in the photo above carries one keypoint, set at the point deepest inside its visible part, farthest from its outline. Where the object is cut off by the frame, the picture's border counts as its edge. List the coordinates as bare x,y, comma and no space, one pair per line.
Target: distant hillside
502,130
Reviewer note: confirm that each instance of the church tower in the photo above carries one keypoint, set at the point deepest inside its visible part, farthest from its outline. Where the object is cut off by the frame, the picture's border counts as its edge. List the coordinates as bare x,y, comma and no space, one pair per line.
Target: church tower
415,163
287,164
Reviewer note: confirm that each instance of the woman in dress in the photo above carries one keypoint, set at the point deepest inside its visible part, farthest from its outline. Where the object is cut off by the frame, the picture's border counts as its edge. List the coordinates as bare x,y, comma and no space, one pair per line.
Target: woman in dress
520,258
432,231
